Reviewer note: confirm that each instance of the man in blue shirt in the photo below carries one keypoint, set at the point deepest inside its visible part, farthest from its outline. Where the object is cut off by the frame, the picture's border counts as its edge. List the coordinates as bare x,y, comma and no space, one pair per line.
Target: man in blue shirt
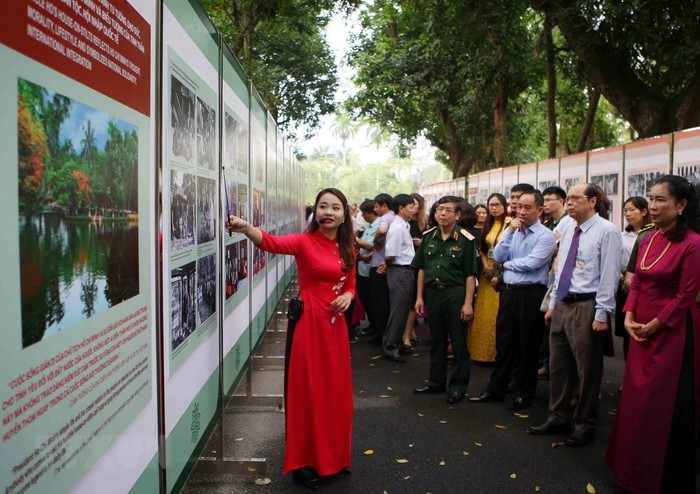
525,251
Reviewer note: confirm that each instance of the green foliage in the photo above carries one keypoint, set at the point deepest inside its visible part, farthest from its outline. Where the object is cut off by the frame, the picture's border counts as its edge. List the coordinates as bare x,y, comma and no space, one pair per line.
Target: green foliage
435,68
395,176
280,45
32,149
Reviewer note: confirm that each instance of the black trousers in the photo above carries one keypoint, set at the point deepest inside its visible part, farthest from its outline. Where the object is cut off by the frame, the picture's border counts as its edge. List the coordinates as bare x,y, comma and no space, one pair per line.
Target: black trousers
379,289
519,329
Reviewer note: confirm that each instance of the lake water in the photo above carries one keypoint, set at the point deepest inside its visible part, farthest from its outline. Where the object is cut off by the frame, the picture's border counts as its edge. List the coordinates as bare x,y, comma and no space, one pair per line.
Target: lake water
72,270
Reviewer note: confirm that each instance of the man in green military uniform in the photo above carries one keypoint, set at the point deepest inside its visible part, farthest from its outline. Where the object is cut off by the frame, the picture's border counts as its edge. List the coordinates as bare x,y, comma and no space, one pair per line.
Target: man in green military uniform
446,264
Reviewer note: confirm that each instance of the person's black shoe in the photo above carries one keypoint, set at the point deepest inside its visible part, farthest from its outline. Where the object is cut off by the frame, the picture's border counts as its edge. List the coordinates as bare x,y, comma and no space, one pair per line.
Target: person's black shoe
405,350
578,438
345,471
486,396
454,397
550,427
519,403
395,358
428,389
307,477
354,339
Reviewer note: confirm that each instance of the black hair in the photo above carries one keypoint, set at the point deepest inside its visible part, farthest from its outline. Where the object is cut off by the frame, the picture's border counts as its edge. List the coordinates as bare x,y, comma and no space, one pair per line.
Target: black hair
382,199
484,248
367,206
432,222
345,235
555,190
521,188
681,189
539,199
640,203
467,217
399,201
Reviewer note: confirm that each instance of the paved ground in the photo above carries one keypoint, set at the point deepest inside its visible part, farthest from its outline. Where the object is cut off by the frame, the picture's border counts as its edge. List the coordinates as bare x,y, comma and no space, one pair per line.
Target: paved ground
420,444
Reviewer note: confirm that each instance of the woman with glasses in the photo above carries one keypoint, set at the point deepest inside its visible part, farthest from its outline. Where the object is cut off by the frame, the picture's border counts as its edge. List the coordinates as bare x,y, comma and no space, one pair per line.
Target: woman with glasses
482,335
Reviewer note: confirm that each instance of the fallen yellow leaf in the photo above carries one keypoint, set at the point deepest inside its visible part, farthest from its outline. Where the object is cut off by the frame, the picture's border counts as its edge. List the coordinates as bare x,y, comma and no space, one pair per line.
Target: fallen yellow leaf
402,460
390,388
537,488
420,414
251,469
407,477
384,396
369,452
442,463
239,439
443,421
371,365
415,355
478,444
465,453
376,357
512,476
558,445
499,426
522,415
590,489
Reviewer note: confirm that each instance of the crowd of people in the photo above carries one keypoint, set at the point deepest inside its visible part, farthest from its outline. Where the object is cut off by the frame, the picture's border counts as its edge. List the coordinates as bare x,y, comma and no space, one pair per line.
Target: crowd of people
535,286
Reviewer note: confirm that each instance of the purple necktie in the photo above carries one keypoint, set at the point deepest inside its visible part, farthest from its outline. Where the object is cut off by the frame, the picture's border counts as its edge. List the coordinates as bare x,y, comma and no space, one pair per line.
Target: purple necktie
568,269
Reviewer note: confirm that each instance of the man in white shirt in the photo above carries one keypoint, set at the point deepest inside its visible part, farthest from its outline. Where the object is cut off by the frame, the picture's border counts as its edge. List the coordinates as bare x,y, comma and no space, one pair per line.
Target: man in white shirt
582,302
398,255
377,274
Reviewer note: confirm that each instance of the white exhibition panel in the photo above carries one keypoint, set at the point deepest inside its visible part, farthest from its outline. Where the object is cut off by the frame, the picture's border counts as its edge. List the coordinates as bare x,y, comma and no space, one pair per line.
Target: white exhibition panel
605,170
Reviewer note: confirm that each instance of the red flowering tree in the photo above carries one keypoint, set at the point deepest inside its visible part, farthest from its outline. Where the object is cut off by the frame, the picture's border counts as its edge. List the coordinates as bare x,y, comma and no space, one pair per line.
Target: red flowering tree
33,152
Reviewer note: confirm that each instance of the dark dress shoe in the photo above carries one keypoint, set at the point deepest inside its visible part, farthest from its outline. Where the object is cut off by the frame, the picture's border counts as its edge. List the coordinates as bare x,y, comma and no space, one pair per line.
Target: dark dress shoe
454,397
427,389
519,403
345,471
395,358
550,427
579,438
307,477
486,396
405,350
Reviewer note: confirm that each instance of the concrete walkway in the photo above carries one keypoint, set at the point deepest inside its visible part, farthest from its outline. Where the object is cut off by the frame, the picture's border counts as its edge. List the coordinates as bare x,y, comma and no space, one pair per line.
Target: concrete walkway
419,444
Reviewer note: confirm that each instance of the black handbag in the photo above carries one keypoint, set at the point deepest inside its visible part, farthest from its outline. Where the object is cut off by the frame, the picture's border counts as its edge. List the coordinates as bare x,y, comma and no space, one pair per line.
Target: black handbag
295,309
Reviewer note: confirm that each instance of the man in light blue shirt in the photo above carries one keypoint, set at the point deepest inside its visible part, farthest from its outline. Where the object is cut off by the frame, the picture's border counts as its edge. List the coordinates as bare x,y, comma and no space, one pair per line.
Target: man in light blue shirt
525,250
582,302
366,244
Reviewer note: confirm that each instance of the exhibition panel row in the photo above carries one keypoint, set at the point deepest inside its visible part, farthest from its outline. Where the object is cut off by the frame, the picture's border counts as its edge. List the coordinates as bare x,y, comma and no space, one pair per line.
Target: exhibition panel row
622,171
130,132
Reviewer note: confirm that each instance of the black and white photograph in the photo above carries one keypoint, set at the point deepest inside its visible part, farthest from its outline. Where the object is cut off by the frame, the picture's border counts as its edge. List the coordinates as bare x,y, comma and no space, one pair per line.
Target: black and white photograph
230,142
182,120
690,172
242,202
206,136
640,184
650,179
182,307
598,180
547,183
610,184
242,161
259,208
206,210
231,196
182,202
570,182
483,195
206,288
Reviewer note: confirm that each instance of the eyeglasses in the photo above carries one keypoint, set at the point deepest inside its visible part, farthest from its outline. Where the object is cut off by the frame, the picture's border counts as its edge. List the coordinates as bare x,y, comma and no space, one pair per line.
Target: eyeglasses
575,198
495,205
445,210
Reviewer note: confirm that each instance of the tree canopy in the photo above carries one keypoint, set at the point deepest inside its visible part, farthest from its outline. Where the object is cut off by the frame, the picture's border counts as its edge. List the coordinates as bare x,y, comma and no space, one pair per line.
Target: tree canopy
281,46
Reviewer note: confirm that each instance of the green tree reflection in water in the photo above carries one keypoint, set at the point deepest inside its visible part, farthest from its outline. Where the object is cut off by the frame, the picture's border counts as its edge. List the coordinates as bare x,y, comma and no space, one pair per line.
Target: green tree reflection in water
72,270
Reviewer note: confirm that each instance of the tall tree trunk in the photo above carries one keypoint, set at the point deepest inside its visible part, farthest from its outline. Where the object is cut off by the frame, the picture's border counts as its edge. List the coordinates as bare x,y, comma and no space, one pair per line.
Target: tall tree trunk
586,133
500,120
551,88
